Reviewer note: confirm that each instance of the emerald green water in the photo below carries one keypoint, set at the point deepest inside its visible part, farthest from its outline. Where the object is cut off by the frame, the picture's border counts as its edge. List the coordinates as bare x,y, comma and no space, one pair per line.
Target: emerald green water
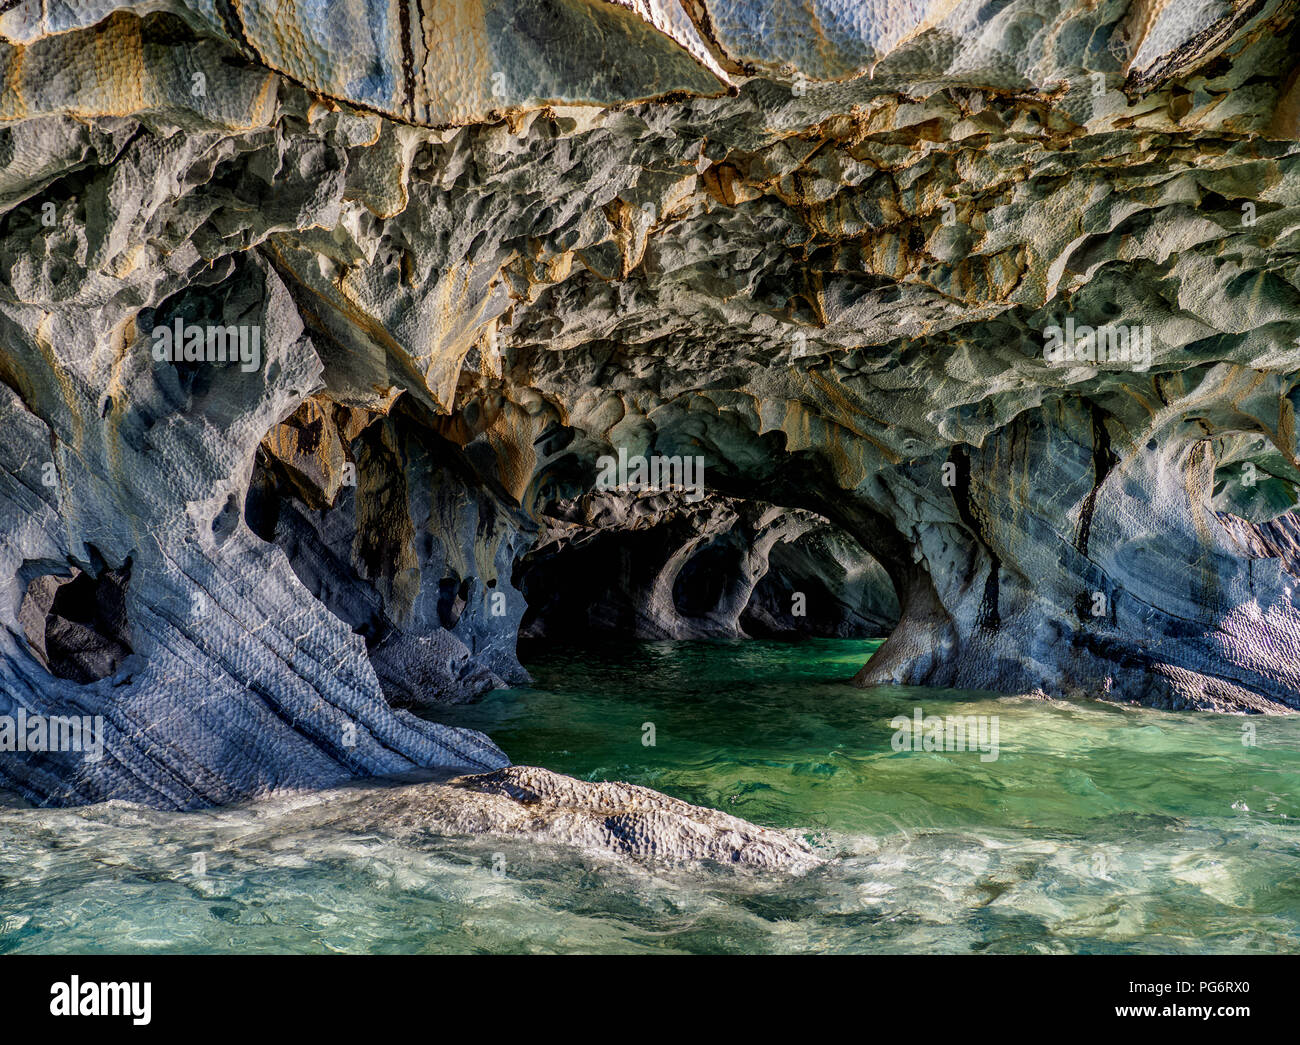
1098,828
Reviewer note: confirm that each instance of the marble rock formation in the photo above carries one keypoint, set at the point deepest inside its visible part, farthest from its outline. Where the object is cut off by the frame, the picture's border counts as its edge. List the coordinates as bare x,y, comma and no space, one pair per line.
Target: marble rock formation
622,819
316,320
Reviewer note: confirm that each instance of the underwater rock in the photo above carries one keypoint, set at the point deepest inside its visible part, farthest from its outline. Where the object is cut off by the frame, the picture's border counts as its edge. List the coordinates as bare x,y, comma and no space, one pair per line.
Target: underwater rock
618,818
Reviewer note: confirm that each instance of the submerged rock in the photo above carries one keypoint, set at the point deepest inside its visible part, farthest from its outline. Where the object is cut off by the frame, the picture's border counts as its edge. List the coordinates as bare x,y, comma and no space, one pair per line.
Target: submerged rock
618,818
312,343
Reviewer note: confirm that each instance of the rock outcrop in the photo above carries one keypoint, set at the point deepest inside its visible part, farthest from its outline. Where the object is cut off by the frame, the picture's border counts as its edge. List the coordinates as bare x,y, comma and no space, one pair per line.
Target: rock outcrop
618,818
317,320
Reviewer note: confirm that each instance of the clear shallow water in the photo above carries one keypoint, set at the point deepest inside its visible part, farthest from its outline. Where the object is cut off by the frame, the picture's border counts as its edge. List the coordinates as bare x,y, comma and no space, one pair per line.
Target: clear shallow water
1097,829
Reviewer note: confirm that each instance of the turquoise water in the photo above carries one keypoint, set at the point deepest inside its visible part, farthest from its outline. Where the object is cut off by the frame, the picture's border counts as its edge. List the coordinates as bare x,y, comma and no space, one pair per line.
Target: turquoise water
1097,828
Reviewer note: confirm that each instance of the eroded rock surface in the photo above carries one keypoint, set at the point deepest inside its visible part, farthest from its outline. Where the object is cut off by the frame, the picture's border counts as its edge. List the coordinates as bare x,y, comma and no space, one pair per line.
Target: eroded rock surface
613,817
494,820
480,246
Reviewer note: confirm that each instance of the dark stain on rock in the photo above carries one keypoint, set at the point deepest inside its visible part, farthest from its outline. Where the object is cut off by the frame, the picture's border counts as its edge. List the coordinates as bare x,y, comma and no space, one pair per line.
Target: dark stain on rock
408,57
1103,460
989,617
234,24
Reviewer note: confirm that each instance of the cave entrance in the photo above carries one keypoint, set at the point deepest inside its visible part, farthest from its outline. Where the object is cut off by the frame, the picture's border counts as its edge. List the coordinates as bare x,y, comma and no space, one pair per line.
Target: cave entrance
703,574
706,578
76,624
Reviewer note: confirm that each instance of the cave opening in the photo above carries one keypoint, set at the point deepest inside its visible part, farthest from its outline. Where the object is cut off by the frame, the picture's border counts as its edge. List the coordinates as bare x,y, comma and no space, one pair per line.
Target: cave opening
407,538
76,624
702,574
703,581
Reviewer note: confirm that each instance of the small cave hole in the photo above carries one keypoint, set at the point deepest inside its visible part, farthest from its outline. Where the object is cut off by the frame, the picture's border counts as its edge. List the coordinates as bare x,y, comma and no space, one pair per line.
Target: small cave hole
227,520
453,597
76,625
704,579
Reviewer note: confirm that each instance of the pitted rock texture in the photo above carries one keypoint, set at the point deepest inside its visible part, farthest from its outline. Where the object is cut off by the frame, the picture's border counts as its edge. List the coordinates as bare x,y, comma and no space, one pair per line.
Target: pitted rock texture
430,61
618,818
506,822
823,252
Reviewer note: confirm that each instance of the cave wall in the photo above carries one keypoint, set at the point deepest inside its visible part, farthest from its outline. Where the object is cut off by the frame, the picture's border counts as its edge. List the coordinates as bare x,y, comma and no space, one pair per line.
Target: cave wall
822,583
398,537
239,680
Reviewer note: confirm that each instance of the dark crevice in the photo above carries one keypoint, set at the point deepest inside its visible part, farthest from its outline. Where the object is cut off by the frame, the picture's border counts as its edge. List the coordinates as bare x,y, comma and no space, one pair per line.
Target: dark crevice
989,616
76,624
1103,460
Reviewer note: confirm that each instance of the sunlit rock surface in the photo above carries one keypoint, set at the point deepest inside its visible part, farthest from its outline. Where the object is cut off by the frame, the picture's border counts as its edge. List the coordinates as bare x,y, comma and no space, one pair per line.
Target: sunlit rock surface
483,245
619,818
